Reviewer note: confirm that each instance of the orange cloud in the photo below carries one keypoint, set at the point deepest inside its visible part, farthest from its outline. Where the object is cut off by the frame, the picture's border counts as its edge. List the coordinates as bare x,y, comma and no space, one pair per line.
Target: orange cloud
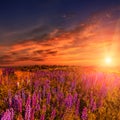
87,44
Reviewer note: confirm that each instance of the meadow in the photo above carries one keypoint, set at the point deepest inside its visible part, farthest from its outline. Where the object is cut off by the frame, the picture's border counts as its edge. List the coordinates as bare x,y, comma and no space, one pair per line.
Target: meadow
59,93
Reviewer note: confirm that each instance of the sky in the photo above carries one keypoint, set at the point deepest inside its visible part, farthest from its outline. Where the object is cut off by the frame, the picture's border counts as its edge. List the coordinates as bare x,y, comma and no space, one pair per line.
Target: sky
59,32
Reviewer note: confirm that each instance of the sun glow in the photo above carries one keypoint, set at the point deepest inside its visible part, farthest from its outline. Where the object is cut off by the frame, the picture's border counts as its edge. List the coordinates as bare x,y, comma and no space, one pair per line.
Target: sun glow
108,60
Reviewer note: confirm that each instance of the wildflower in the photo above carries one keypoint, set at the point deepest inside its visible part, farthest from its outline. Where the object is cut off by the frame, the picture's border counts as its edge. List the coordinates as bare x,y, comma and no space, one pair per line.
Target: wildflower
34,99
75,97
15,103
28,112
94,106
43,113
28,109
53,114
8,115
69,101
19,102
42,117
48,97
77,107
84,114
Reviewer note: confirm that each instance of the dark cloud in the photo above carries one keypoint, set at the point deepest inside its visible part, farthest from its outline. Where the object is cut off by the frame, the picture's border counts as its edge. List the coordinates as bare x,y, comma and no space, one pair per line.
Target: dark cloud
38,59
52,52
3,57
23,58
46,44
41,32
6,59
45,52
28,58
38,52
6,62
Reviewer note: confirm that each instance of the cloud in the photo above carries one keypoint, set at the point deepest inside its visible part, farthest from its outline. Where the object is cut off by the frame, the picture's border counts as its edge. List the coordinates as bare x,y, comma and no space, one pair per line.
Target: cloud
5,59
52,52
45,52
86,44
28,58
38,52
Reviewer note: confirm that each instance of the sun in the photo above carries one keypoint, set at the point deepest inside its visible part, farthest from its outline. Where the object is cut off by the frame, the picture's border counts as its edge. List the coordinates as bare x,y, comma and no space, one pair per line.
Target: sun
108,60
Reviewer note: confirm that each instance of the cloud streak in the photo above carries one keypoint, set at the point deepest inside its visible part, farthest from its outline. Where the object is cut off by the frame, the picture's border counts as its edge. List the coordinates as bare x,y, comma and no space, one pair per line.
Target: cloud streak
86,44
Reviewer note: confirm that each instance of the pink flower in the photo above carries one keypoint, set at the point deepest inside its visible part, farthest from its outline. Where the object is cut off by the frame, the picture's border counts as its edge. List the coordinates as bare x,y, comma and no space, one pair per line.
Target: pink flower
8,115
53,114
84,114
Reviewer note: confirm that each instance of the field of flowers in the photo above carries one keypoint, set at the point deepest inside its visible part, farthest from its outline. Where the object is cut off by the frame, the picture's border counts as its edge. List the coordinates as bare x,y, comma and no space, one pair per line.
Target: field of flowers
59,94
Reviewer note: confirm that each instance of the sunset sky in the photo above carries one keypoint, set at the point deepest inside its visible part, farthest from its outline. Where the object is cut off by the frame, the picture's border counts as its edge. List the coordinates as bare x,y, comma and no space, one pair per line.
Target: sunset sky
62,32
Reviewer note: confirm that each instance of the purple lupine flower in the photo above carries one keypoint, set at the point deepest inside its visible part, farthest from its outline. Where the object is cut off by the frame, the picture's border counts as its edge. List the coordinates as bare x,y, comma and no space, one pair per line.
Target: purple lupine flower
77,107
91,101
34,103
23,95
10,101
94,106
62,79
32,113
48,97
53,114
28,112
73,84
28,109
15,103
34,99
43,113
60,96
84,114
20,104
19,101
7,71
69,101
39,96
43,91
39,101
47,84
42,117
28,102
75,97
8,115
37,106
36,84
54,90
12,113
